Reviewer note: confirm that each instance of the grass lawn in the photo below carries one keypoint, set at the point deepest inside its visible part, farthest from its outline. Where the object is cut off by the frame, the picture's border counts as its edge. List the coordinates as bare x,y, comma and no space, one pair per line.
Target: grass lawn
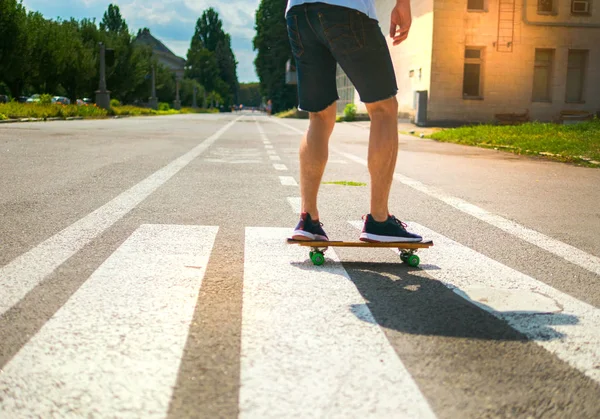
578,143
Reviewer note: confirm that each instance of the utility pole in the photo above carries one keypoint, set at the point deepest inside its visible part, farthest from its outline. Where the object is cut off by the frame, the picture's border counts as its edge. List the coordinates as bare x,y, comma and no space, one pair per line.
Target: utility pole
194,103
153,99
177,103
103,95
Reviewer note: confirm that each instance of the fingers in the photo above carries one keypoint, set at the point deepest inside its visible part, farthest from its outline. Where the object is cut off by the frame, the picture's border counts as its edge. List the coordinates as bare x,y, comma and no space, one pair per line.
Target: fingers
392,29
400,36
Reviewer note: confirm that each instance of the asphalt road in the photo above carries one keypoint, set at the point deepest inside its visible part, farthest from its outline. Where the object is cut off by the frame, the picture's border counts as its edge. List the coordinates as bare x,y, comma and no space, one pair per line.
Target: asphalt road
144,273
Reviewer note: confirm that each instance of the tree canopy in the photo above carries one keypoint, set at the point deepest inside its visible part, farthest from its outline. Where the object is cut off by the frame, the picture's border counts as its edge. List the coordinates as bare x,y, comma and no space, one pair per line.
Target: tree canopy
60,57
211,60
273,51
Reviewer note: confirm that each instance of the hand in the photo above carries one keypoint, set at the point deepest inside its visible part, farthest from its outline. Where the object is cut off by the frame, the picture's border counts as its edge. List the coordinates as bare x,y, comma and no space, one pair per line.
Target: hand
400,21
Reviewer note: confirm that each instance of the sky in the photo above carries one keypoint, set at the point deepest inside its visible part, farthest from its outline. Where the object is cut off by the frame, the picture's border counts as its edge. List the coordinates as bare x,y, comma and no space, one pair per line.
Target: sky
171,21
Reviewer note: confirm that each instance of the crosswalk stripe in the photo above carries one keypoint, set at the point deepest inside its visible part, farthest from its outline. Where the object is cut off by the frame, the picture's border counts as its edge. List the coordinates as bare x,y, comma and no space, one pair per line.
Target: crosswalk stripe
113,350
279,166
563,325
26,271
288,181
310,345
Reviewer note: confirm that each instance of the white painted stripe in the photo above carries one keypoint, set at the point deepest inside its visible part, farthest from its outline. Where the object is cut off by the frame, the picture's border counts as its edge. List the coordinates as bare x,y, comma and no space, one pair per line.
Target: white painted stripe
275,158
271,152
296,204
114,349
26,271
310,346
572,334
278,166
269,147
260,128
288,181
556,247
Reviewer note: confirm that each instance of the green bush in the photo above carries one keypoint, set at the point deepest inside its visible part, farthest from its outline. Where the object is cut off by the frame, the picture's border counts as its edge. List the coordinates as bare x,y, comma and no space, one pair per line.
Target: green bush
163,106
350,112
115,103
45,99
3,117
16,110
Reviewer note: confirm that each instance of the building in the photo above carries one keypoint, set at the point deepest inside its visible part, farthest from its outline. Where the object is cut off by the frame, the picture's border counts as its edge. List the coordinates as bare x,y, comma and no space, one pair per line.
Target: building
475,59
164,55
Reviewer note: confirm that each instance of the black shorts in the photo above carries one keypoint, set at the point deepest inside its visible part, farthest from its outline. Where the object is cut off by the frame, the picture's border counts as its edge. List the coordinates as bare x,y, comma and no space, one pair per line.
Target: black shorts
322,35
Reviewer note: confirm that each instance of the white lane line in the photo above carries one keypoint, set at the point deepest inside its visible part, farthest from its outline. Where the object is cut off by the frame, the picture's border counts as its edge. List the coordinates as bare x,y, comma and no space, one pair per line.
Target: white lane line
275,158
271,152
288,181
556,247
310,345
565,251
269,147
296,204
565,326
26,271
114,349
278,166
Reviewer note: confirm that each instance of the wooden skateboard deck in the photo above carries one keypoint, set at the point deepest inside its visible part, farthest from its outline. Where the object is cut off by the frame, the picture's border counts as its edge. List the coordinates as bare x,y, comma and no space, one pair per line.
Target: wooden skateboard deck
407,249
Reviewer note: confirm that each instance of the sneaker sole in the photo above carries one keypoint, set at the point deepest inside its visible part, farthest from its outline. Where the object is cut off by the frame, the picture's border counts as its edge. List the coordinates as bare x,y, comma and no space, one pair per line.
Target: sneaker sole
306,236
374,238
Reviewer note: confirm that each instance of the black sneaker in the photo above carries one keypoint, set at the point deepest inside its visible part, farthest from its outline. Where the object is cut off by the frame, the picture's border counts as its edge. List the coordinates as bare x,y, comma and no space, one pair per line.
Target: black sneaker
307,229
391,230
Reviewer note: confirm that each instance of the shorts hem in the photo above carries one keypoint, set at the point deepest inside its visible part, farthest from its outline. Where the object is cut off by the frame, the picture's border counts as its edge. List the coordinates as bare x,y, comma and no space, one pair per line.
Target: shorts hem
383,97
318,109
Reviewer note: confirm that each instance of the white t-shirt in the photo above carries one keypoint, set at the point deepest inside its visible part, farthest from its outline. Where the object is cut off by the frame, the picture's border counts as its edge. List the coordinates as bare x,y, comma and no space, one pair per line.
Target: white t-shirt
365,6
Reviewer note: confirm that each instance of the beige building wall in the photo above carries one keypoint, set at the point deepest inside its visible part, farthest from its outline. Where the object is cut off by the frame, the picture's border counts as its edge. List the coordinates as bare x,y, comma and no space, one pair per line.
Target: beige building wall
413,55
507,77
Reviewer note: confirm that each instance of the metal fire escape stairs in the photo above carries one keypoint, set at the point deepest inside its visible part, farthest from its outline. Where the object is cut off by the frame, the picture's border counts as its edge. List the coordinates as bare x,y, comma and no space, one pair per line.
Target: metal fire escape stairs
506,25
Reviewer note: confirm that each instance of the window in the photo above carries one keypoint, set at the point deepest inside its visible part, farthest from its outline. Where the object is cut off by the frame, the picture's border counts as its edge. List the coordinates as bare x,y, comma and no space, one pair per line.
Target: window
472,73
576,75
542,75
545,6
580,7
476,5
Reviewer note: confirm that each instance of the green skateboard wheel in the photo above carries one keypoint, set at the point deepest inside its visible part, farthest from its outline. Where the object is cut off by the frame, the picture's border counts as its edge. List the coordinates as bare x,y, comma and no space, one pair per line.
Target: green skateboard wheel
414,261
317,258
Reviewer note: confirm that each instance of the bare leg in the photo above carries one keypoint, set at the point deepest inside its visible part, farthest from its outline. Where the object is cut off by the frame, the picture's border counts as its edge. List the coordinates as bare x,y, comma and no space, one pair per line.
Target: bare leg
314,150
383,151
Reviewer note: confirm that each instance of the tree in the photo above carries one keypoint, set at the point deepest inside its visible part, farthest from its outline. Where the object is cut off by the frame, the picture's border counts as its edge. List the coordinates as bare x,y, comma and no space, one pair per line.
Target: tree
13,45
113,22
273,51
210,47
250,94
209,29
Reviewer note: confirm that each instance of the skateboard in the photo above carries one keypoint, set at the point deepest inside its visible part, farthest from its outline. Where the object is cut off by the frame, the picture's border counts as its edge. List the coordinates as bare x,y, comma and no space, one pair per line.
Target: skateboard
407,249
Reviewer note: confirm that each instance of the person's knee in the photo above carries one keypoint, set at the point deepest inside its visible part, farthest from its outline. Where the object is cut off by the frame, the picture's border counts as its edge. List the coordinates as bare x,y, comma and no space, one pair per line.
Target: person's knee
326,116
384,108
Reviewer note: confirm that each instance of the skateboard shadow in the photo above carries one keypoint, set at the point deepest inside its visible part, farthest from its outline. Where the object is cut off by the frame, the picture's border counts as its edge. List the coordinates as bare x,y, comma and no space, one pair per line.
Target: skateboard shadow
404,299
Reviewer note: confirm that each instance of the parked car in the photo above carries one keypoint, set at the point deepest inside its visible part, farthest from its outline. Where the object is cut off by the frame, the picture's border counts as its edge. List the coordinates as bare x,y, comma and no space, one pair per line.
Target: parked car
22,99
34,99
3,99
62,100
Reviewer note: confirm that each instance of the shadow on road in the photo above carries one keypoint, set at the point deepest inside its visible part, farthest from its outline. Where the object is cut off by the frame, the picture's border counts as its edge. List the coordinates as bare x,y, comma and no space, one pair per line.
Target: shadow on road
404,299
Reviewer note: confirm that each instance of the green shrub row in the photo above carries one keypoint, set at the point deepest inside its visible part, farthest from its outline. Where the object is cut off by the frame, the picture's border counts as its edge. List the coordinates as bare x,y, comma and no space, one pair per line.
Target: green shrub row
14,110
